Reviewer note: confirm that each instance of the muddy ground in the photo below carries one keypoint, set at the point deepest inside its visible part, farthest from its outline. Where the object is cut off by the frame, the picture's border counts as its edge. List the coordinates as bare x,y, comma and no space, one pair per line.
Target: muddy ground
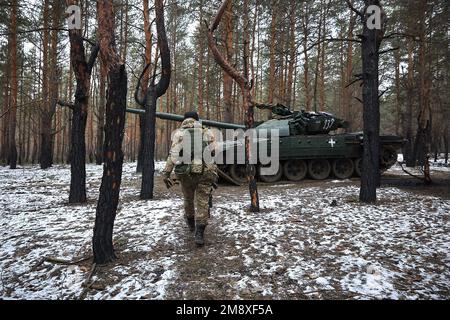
203,273
299,246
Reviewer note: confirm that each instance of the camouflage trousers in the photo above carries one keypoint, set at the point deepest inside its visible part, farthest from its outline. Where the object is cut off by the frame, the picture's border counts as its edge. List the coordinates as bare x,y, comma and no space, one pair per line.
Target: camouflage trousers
196,190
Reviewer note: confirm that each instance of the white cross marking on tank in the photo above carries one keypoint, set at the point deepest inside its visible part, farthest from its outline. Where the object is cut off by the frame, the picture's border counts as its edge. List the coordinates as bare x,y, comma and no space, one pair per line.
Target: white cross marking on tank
332,142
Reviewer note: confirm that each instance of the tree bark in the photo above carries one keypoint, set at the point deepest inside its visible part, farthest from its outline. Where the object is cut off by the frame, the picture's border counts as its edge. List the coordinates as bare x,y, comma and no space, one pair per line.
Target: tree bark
245,86
322,57
229,51
82,69
292,52
408,147
201,51
371,41
14,89
101,116
108,200
422,142
149,102
4,153
145,81
306,84
272,35
45,154
398,107
348,75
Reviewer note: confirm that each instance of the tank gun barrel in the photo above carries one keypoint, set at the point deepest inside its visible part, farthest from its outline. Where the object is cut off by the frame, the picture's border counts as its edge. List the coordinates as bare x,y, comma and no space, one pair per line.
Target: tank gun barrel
178,118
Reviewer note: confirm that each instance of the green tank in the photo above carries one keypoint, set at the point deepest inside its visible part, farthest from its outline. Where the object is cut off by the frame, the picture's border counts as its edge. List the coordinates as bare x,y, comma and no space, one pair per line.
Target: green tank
307,146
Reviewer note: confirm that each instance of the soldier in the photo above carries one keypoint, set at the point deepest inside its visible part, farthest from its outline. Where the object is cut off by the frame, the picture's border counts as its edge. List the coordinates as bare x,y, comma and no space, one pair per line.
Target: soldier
197,177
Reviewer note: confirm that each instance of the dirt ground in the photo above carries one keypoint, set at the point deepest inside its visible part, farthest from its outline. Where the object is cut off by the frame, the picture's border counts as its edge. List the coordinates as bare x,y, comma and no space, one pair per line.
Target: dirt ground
300,246
199,267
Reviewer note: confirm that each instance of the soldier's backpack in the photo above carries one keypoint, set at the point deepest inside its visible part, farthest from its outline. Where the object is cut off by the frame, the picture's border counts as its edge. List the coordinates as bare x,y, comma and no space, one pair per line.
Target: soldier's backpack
195,165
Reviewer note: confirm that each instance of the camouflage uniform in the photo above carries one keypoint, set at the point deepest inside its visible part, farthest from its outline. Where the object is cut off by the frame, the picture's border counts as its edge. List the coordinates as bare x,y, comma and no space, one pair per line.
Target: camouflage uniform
196,187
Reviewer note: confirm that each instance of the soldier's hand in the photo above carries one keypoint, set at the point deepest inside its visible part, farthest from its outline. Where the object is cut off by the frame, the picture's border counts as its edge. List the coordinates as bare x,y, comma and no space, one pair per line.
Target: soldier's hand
167,181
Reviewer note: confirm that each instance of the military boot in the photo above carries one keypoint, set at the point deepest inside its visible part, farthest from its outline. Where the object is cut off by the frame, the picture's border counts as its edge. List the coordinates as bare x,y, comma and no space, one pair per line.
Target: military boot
190,221
199,232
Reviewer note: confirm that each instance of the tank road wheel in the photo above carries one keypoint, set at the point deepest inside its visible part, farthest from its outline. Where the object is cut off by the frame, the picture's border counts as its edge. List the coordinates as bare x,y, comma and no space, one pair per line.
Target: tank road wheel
343,168
358,166
388,157
295,170
319,169
238,173
273,178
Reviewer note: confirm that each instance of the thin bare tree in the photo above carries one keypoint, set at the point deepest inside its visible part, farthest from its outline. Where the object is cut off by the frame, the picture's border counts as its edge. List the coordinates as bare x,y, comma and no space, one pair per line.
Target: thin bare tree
246,88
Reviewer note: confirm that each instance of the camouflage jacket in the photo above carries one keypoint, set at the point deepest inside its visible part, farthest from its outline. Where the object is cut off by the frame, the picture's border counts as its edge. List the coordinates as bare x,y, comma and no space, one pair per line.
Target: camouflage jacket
177,143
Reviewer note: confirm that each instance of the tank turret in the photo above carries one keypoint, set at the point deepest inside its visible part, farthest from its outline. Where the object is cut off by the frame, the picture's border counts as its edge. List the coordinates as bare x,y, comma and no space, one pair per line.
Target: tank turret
302,122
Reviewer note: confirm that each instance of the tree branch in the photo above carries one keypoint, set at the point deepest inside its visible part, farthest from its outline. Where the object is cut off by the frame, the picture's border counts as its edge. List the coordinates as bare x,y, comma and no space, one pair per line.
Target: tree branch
226,66
388,50
93,57
138,96
220,13
166,68
382,93
5,113
58,131
353,82
327,40
218,57
66,104
351,7
92,43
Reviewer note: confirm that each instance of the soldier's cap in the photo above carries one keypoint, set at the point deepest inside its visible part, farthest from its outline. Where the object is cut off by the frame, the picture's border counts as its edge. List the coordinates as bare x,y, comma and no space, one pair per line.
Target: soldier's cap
191,114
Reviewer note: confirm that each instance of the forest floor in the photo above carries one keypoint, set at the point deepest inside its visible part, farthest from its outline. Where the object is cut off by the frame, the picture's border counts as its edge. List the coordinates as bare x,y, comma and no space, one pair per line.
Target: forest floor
298,247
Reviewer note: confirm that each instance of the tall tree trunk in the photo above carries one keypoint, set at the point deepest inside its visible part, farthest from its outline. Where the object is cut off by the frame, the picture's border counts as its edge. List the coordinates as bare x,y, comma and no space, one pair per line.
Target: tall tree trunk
272,35
408,147
108,200
152,93
229,51
319,54
371,42
201,50
292,52
422,143
398,107
245,85
322,57
14,88
207,86
248,103
148,145
101,115
4,153
348,75
446,144
306,84
82,69
45,154
78,146
145,79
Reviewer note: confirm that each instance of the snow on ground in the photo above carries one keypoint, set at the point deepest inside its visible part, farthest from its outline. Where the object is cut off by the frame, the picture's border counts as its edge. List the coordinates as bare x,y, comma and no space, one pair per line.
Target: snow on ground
438,165
365,250
299,247
36,222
